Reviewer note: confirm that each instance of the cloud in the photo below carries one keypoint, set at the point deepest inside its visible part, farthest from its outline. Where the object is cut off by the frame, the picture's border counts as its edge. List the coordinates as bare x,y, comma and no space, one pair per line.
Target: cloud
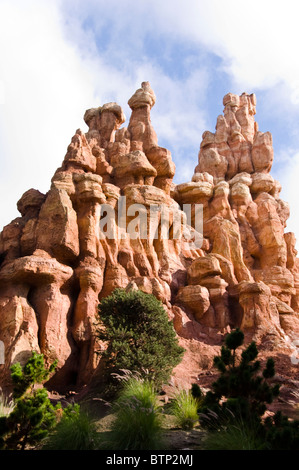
41,76
286,173
52,70
256,40
64,56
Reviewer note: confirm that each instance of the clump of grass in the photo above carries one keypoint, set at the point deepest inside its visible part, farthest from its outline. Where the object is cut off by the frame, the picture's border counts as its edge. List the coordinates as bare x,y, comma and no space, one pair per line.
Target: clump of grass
237,435
6,404
138,417
233,437
184,408
75,431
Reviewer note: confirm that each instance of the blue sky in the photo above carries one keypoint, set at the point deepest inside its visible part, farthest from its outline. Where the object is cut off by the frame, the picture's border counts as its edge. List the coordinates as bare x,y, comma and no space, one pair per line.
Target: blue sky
61,57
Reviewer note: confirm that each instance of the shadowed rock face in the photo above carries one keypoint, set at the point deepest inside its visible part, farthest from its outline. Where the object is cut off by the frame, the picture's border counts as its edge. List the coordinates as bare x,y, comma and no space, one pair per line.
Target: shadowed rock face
56,264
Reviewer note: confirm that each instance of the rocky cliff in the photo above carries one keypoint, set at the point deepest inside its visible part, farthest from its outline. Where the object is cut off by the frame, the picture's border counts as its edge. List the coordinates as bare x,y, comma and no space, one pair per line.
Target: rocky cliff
57,261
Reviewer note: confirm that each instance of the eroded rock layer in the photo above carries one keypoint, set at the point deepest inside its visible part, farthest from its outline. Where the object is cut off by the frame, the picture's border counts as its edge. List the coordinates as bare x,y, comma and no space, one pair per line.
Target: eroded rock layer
56,264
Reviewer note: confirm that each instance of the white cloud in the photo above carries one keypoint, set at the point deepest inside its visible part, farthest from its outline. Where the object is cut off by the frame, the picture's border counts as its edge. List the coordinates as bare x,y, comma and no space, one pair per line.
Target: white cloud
52,72
46,91
286,173
58,58
256,40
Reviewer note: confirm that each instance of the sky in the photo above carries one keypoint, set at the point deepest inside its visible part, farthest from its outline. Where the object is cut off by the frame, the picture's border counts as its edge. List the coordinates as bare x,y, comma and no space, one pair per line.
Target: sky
61,57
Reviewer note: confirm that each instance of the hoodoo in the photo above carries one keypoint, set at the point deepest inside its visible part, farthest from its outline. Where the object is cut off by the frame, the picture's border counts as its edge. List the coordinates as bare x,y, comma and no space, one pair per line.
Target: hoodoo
57,261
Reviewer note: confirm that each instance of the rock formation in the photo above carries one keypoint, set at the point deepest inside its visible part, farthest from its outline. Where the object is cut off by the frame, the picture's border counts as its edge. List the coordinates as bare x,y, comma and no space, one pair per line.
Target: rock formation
57,261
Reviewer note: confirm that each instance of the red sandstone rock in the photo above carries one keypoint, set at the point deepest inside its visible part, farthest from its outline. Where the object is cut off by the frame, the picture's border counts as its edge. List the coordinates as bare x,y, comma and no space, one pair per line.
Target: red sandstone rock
56,263
195,298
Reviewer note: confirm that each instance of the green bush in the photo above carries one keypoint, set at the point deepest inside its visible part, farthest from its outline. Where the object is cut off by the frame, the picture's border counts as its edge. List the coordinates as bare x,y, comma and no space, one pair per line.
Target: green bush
240,391
33,415
184,407
138,418
138,335
281,433
75,431
196,392
32,373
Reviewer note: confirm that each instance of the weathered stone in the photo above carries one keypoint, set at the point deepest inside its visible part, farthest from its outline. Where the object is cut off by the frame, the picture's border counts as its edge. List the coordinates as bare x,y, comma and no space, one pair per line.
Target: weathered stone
210,161
103,123
195,299
260,317
241,178
205,266
262,152
290,325
57,229
262,182
142,97
133,168
79,154
59,259
30,203
194,191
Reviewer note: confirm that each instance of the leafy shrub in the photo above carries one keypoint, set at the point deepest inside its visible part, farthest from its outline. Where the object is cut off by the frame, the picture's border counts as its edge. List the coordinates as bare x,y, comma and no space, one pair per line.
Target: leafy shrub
138,419
138,335
184,408
75,431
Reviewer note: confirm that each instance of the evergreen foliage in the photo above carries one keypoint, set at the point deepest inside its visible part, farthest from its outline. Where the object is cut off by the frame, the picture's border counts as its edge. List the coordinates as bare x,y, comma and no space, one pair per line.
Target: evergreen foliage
33,414
138,335
196,391
246,391
281,433
241,394
33,372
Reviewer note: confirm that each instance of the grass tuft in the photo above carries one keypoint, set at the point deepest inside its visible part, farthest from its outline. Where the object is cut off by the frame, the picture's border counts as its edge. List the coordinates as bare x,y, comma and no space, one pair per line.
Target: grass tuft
238,435
138,418
184,408
75,431
6,404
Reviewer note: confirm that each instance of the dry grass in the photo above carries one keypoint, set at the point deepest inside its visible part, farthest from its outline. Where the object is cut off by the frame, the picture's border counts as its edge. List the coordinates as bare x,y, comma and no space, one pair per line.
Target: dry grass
6,404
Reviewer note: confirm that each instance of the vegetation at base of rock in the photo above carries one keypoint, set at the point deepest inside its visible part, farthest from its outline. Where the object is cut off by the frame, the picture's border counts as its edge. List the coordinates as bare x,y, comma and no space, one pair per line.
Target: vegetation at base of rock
246,392
196,391
75,431
138,335
33,415
238,435
184,407
138,418
281,433
242,393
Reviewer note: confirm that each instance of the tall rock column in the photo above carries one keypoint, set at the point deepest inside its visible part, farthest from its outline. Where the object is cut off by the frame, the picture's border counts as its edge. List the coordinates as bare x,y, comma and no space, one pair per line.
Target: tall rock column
143,136
88,198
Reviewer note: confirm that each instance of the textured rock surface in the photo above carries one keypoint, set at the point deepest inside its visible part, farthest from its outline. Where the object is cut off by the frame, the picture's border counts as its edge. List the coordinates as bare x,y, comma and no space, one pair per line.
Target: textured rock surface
56,264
